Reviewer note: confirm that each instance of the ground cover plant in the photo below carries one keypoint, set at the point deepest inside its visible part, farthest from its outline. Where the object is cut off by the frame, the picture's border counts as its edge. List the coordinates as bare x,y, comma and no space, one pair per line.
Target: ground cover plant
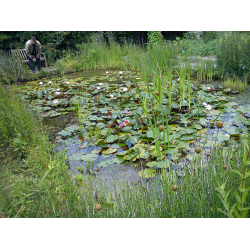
186,139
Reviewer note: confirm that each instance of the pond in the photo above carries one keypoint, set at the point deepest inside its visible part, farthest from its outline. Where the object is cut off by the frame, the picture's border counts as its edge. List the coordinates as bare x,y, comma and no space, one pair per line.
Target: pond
96,117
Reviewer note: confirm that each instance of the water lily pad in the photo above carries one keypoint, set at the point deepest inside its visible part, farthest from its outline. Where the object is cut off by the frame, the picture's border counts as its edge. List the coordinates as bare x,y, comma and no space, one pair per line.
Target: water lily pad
77,156
109,151
89,157
95,151
151,164
112,138
147,173
104,164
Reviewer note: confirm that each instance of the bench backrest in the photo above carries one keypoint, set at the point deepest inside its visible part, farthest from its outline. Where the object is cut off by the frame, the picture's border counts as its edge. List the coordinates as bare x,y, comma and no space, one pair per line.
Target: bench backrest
21,53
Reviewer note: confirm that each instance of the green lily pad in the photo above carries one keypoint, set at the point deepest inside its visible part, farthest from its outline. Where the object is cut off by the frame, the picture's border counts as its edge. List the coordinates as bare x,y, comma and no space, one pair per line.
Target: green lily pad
151,164
109,151
112,138
147,173
104,164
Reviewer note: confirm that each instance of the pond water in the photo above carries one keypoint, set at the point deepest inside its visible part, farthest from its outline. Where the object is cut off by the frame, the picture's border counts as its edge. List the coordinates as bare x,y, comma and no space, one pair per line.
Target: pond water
98,147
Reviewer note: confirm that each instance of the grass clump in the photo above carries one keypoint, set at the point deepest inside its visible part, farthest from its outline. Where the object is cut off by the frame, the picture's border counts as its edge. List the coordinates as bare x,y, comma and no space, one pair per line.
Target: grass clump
235,84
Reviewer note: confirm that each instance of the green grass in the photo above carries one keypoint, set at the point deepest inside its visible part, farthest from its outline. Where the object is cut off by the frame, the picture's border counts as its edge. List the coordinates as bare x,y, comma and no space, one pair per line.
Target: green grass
235,84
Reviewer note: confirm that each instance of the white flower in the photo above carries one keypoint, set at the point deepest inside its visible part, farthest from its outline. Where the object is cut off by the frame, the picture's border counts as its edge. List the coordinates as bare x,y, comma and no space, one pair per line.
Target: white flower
227,135
58,93
67,82
120,72
208,88
111,96
55,101
98,87
107,72
100,84
125,89
49,82
204,104
208,107
58,89
40,83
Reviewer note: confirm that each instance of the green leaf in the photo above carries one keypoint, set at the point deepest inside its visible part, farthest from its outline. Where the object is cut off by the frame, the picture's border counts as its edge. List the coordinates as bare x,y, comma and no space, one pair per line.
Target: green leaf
109,151
147,173
237,172
151,164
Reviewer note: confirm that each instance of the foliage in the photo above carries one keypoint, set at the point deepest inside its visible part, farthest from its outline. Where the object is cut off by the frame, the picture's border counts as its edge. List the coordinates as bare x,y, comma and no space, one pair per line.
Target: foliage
155,38
233,57
235,84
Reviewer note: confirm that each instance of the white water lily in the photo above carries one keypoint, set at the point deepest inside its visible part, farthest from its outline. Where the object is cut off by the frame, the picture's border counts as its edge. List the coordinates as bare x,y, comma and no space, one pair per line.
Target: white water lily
208,88
107,72
55,101
58,89
111,96
58,93
120,72
67,82
98,87
227,135
125,89
208,107
100,84
40,83
204,104
49,82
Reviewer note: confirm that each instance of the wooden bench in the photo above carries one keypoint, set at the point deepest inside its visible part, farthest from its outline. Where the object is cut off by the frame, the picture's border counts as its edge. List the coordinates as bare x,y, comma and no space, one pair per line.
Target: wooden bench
21,54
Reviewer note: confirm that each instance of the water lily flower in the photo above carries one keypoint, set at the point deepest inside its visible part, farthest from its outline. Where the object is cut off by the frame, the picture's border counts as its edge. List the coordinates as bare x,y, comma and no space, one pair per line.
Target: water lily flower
122,125
58,89
67,82
204,104
58,93
40,83
208,107
227,135
107,72
125,89
49,82
100,84
126,121
208,88
98,87
127,112
111,96
120,72
55,101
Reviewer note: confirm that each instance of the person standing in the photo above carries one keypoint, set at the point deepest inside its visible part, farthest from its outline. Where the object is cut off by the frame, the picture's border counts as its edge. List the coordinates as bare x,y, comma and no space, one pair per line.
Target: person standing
33,49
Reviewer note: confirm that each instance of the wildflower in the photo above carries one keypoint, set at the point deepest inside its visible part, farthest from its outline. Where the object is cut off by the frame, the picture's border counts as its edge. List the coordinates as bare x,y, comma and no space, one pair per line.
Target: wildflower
100,84
40,83
58,93
208,107
55,101
125,89
183,51
134,85
8,87
98,87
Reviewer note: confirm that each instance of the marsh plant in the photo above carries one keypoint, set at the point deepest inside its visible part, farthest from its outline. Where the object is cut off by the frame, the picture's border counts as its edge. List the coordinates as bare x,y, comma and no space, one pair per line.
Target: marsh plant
235,84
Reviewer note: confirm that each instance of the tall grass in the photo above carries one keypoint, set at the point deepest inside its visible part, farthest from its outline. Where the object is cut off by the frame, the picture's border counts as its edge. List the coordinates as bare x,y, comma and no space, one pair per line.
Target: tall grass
235,84
11,69
233,54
